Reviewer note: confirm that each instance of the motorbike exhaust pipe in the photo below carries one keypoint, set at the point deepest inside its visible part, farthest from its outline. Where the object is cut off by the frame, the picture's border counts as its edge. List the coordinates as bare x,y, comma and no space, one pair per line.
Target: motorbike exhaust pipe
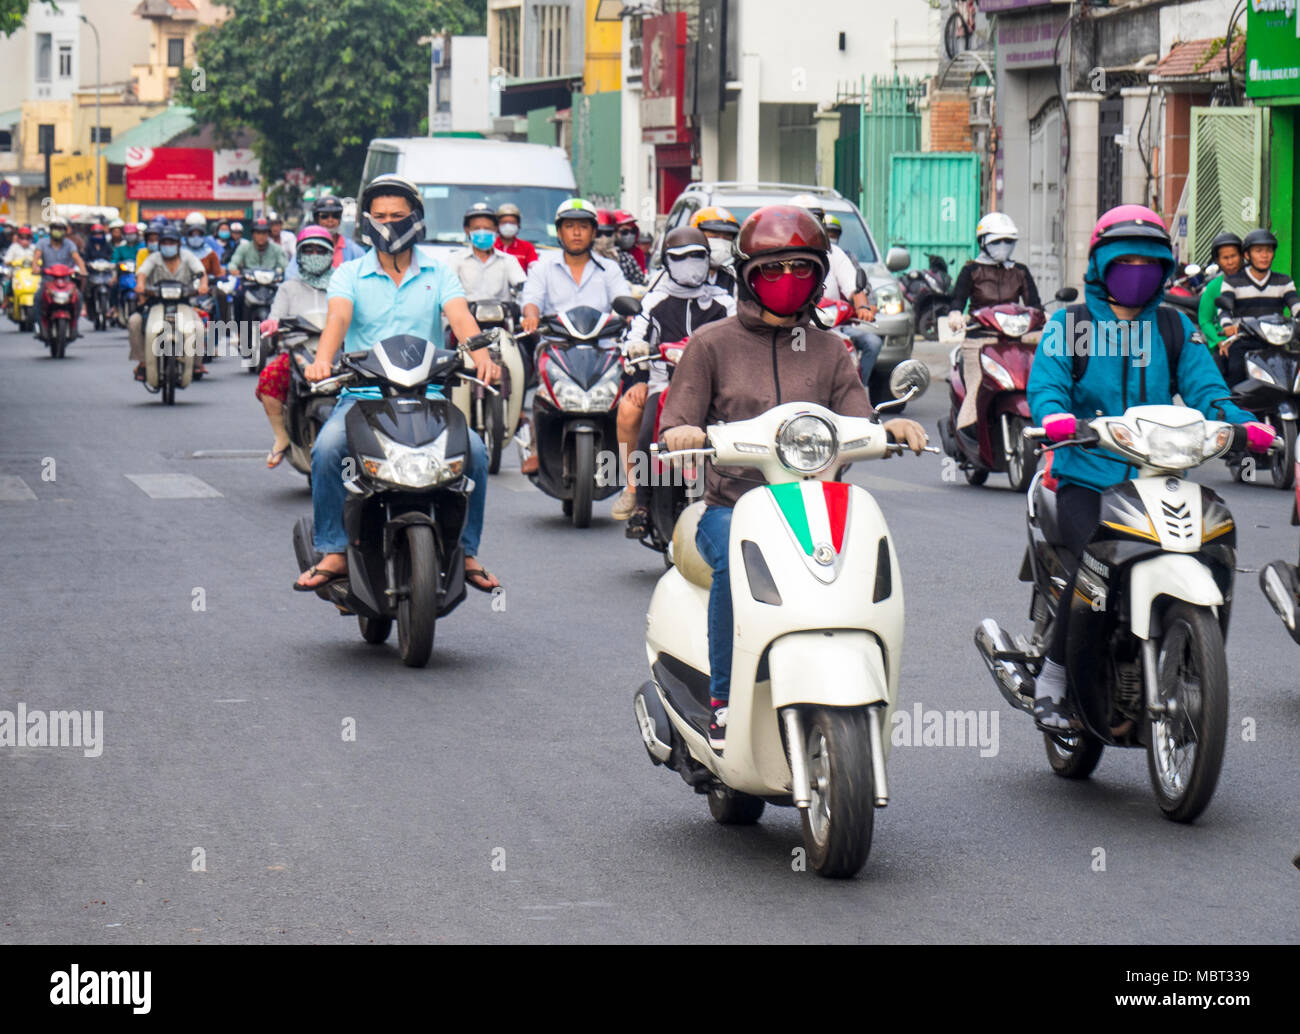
797,747
1013,680
880,784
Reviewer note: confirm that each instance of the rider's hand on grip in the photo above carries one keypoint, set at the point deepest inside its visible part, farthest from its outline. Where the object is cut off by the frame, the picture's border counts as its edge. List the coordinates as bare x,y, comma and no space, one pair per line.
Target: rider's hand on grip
268,327
638,349
686,437
1259,436
317,371
1060,426
907,432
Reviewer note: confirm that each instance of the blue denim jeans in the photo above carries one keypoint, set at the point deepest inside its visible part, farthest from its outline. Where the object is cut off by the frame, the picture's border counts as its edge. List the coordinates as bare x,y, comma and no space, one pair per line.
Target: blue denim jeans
711,539
868,345
328,493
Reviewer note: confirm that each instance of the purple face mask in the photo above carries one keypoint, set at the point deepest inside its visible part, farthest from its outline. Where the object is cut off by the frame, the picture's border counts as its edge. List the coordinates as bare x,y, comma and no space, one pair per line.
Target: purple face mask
1134,285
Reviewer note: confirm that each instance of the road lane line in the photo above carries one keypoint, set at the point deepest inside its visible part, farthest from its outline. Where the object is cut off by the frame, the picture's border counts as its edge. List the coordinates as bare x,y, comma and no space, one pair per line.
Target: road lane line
173,486
13,489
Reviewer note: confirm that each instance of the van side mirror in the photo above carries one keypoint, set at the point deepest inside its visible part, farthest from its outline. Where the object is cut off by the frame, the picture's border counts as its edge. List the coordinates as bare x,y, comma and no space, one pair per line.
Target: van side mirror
1067,294
897,259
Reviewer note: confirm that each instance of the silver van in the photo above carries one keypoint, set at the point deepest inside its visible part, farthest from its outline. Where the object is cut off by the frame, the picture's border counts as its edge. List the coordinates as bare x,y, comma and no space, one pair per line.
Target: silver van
455,172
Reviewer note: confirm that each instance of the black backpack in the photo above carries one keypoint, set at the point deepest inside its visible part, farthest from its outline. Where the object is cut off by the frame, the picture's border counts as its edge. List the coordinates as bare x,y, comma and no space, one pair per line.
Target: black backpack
1170,325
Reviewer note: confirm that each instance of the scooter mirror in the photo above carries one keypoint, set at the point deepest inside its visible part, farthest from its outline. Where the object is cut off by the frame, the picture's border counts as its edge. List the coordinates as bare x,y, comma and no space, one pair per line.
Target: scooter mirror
909,378
1212,270
1191,269
1067,294
897,259
626,305
861,282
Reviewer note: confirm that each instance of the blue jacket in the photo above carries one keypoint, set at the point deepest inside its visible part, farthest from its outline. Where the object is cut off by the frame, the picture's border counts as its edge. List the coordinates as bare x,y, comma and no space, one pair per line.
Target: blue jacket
1117,378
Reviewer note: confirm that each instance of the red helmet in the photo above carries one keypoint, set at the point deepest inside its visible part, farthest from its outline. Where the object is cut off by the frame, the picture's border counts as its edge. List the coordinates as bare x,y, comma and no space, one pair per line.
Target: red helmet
777,229
605,219
1127,222
623,217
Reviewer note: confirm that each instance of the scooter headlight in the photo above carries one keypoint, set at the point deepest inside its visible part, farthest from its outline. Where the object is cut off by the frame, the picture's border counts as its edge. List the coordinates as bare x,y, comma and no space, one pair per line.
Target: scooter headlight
806,444
1276,333
1258,373
60,297
419,467
170,292
1012,324
1001,377
1174,448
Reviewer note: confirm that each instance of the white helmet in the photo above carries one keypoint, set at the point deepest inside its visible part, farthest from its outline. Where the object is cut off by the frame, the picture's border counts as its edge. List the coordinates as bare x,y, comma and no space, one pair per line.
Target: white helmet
196,219
995,226
810,202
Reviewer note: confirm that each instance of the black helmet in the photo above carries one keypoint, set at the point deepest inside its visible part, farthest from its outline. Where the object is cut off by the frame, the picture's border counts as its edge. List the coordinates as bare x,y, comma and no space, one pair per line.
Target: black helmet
479,208
169,232
685,238
327,205
1226,239
1259,237
392,185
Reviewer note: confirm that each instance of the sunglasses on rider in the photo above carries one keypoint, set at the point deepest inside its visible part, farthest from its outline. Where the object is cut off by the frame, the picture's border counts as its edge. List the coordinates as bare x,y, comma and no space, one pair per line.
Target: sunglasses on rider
332,216
800,269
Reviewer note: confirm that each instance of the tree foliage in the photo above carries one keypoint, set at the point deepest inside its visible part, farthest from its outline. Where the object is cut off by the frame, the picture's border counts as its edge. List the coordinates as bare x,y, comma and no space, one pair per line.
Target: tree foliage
318,79
14,12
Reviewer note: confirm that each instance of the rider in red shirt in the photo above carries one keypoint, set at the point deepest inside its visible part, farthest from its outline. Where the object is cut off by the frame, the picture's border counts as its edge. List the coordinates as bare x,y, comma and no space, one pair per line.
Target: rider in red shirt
508,239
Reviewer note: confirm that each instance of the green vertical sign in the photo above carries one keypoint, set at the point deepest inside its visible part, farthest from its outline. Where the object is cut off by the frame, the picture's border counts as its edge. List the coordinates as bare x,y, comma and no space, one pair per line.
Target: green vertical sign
1273,49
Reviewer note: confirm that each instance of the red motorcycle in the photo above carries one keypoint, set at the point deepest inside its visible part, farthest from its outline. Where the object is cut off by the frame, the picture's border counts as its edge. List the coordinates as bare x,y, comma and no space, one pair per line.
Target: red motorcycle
995,442
834,312
668,496
60,304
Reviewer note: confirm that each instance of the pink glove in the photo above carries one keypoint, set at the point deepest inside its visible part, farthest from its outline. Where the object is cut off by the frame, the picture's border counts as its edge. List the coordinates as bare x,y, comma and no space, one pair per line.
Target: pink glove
1259,437
1059,426
269,327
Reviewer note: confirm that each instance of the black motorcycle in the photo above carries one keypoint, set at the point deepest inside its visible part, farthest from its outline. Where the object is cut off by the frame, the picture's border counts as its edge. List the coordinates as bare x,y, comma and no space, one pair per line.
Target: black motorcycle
257,288
408,495
1280,581
1272,388
580,376
99,291
930,292
305,410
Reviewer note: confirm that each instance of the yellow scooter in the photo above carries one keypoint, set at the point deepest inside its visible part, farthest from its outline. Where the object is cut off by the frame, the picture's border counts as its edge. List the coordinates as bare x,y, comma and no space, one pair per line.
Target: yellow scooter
22,295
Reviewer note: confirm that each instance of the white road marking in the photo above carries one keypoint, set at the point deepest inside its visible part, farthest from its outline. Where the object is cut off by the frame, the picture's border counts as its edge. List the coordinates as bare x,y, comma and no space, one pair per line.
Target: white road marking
173,486
13,489
226,454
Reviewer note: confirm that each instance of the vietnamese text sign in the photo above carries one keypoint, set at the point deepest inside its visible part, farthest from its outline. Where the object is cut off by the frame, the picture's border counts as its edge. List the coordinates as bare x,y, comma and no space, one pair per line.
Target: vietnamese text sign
1272,49
191,174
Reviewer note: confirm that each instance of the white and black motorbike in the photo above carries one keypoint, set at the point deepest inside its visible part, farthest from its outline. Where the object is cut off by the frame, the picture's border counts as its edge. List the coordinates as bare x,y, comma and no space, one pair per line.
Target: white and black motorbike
818,603
495,415
408,495
258,289
1149,612
305,410
173,336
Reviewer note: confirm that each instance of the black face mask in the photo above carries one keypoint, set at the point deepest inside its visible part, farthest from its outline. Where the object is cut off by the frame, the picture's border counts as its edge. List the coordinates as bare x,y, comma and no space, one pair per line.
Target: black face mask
395,237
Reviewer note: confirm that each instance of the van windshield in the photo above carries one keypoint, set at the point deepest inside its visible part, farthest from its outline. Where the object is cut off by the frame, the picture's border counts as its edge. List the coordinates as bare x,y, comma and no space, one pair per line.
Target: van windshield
445,205
853,237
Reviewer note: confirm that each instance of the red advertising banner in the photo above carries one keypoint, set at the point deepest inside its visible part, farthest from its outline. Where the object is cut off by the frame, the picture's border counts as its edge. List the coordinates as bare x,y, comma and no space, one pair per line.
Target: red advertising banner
191,174
663,43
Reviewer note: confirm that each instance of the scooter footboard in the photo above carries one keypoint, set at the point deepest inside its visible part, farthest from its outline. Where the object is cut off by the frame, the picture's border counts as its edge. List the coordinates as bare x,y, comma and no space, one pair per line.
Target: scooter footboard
843,668
1177,575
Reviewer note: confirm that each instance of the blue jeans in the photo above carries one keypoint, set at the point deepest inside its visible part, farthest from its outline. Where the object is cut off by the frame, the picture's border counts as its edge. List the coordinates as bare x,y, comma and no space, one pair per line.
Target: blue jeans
711,539
328,493
868,345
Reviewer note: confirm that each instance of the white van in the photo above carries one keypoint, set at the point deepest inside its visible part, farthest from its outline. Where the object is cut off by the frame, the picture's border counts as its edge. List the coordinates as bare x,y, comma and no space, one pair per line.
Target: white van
455,172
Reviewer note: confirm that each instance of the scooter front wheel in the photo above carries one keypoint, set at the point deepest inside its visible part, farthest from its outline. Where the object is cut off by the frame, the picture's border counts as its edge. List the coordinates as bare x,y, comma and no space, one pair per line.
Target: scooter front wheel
417,611
584,479
838,823
494,431
1021,462
1186,741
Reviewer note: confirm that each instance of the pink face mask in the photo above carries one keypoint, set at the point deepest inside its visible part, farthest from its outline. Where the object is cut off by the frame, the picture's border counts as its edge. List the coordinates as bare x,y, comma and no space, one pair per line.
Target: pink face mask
784,296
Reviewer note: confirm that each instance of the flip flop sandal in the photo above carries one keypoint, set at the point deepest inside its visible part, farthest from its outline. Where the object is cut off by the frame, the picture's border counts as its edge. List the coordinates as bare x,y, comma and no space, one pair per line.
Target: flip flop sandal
332,577
1055,716
480,572
274,457
139,373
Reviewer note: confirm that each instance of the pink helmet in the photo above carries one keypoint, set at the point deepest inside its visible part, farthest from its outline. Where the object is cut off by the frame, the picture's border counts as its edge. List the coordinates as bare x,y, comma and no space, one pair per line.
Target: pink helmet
315,233
1126,222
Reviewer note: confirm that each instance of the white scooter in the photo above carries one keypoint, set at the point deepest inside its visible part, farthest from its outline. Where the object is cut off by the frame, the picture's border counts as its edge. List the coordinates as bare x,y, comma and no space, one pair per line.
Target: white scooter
818,608
173,335
495,416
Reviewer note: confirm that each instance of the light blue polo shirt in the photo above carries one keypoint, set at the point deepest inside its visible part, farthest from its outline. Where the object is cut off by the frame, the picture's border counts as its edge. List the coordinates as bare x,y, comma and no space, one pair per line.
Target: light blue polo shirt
382,309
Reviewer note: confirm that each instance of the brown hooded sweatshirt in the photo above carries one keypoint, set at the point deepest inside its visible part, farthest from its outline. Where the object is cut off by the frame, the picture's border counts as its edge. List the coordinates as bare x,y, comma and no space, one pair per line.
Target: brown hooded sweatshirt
740,367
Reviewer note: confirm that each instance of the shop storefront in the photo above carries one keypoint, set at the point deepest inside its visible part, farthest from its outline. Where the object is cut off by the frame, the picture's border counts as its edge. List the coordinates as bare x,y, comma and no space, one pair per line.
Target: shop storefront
663,109
1273,81
173,181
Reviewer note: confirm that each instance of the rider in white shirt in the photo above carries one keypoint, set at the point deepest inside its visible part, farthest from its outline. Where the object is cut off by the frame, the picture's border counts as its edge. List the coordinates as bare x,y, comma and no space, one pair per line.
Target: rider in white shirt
485,273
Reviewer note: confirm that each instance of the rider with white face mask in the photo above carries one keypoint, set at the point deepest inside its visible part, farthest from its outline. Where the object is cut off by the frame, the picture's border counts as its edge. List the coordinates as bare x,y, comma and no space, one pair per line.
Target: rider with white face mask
992,278
681,301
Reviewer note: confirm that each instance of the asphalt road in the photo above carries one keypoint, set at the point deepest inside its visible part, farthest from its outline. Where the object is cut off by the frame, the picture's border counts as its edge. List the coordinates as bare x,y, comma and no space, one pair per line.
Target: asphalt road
502,793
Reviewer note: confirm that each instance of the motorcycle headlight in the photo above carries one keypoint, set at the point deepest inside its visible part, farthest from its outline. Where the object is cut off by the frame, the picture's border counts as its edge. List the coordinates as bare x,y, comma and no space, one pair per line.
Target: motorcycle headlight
1012,324
170,292
602,396
1276,333
998,372
1257,372
565,392
806,444
1174,448
60,296
419,467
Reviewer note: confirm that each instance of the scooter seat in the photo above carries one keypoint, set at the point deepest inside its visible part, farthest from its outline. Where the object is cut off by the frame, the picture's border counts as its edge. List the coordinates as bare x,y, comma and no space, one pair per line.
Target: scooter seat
1045,510
686,557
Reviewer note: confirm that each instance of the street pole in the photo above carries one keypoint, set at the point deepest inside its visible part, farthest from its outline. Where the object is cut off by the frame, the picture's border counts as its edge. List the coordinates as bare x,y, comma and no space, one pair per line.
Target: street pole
99,129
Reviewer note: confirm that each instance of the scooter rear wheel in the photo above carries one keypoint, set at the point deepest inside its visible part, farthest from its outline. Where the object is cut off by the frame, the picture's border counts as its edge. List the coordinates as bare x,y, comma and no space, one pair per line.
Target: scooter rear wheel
1284,462
375,630
1073,757
733,808
837,825
976,475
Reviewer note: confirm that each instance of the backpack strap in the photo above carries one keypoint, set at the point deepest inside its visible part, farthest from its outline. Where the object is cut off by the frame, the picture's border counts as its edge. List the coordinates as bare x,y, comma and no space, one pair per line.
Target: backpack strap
1081,346
1170,324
